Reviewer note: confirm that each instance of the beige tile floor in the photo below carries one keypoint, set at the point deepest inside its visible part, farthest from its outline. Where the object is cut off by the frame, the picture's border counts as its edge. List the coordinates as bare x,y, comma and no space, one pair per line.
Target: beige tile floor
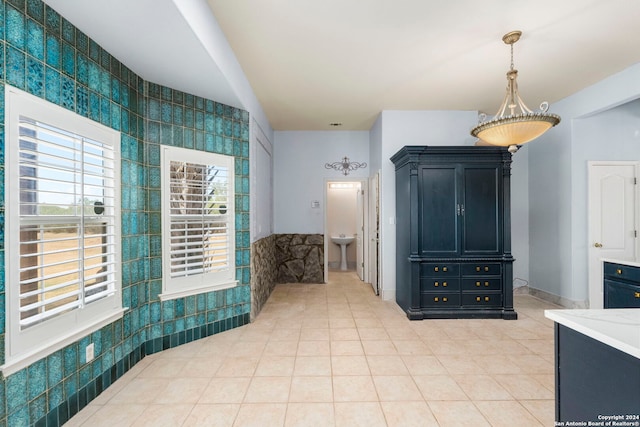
336,355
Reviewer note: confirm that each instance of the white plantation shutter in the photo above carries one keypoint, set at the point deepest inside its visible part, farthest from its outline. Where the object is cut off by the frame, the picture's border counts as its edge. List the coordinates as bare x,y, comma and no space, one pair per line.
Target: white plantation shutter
62,229
67,233
198,221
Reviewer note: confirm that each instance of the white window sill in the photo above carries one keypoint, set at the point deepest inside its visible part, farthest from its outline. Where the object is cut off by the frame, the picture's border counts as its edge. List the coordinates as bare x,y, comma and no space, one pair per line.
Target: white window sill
14,364
171,295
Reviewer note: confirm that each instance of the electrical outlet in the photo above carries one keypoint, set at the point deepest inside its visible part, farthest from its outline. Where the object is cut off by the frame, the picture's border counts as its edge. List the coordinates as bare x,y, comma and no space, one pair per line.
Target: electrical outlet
89,353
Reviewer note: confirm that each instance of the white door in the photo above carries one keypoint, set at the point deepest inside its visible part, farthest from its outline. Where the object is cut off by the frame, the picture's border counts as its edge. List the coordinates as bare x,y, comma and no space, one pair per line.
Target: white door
612,219
374,232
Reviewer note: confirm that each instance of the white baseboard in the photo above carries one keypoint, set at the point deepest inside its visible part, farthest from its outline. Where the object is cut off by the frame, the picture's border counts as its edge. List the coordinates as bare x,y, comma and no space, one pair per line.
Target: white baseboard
555,299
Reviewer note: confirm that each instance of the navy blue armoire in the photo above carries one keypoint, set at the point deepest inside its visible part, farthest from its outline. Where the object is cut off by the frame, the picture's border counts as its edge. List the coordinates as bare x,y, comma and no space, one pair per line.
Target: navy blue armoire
453,232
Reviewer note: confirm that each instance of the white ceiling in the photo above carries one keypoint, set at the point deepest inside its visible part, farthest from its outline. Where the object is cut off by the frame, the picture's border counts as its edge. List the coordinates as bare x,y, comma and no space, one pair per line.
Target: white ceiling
312,63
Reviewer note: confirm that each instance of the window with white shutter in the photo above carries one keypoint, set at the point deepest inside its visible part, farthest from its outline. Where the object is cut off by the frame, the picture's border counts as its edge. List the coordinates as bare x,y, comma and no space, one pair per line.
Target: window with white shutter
198,222
63,237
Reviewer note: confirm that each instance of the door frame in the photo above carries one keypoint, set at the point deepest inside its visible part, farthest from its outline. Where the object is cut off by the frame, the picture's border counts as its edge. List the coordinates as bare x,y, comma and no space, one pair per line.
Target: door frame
364,186
373,260
595,274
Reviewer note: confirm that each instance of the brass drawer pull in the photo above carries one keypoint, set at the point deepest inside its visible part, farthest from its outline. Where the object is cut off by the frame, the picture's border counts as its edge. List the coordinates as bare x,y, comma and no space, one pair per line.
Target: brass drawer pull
486,298
436,284
436,299
444,299
444,284
486,283
486,269
436,269
477,268
477,283
444,269
636,294
619,271
478,299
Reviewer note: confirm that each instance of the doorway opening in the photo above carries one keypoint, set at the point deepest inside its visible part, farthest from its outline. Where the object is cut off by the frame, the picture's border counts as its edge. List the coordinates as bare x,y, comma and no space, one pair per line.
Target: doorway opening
345,228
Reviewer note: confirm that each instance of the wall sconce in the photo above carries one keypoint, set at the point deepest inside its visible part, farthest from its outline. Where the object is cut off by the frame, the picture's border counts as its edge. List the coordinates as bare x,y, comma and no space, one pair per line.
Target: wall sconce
345,166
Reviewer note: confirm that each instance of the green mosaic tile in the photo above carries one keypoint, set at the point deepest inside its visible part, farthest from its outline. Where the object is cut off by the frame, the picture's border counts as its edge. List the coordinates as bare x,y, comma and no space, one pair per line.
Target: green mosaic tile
52,21
82,42
94,106
105,59
35,9
52,85
19,418
16,390
116,68
35,39
35,77
105,83
68,32
189,138
105,111
52,51
15,67
15,28
82,101
199,141
189,100
68,93
37,378
178,137
166,134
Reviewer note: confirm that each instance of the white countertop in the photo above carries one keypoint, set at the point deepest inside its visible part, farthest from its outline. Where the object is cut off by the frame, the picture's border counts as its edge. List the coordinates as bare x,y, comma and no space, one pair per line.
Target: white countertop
616,327
620,261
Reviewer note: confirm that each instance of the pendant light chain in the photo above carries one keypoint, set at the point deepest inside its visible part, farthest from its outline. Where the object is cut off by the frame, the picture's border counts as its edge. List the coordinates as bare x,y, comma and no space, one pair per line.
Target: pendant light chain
512,66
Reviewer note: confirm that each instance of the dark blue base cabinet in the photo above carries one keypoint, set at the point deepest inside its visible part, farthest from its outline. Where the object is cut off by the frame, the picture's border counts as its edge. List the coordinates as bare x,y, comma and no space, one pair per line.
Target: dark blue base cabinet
453,240
594,380
621,286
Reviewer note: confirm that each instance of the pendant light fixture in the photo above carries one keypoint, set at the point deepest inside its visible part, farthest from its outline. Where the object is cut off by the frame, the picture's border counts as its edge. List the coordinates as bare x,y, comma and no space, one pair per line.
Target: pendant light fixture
514,124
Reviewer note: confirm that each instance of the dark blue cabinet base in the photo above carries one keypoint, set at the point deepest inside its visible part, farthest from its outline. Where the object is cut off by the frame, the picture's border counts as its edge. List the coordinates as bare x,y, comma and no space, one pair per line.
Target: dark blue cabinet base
594,379
621,286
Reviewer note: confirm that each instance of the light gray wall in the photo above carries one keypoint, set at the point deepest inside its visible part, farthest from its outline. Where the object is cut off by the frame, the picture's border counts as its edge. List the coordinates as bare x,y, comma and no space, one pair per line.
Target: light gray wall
299,174
520,216
558,180
375,146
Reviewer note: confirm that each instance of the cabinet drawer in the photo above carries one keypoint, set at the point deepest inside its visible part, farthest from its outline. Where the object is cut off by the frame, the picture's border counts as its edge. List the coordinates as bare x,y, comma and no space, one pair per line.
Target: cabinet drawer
481,299
482,269
620,271
621,295
434,269
439,284
484,284
440,300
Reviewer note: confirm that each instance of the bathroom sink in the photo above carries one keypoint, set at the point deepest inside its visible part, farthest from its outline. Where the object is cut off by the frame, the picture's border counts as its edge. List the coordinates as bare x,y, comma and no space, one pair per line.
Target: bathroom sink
342,240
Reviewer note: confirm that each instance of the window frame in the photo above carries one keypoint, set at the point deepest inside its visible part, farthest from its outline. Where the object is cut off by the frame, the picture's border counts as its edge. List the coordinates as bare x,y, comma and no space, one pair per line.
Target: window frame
179,287
25,346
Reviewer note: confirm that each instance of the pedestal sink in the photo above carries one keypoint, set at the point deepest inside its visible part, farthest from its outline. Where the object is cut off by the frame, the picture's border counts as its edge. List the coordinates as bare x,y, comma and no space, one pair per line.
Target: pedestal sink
343,241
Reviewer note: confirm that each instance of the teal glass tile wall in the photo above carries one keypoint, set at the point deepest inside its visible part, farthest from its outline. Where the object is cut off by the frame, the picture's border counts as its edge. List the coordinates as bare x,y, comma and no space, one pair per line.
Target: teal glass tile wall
44,54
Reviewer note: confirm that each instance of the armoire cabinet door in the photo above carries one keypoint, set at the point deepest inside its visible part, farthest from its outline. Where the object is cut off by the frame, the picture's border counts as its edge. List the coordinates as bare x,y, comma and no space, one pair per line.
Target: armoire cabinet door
438,220
481,211
464,198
